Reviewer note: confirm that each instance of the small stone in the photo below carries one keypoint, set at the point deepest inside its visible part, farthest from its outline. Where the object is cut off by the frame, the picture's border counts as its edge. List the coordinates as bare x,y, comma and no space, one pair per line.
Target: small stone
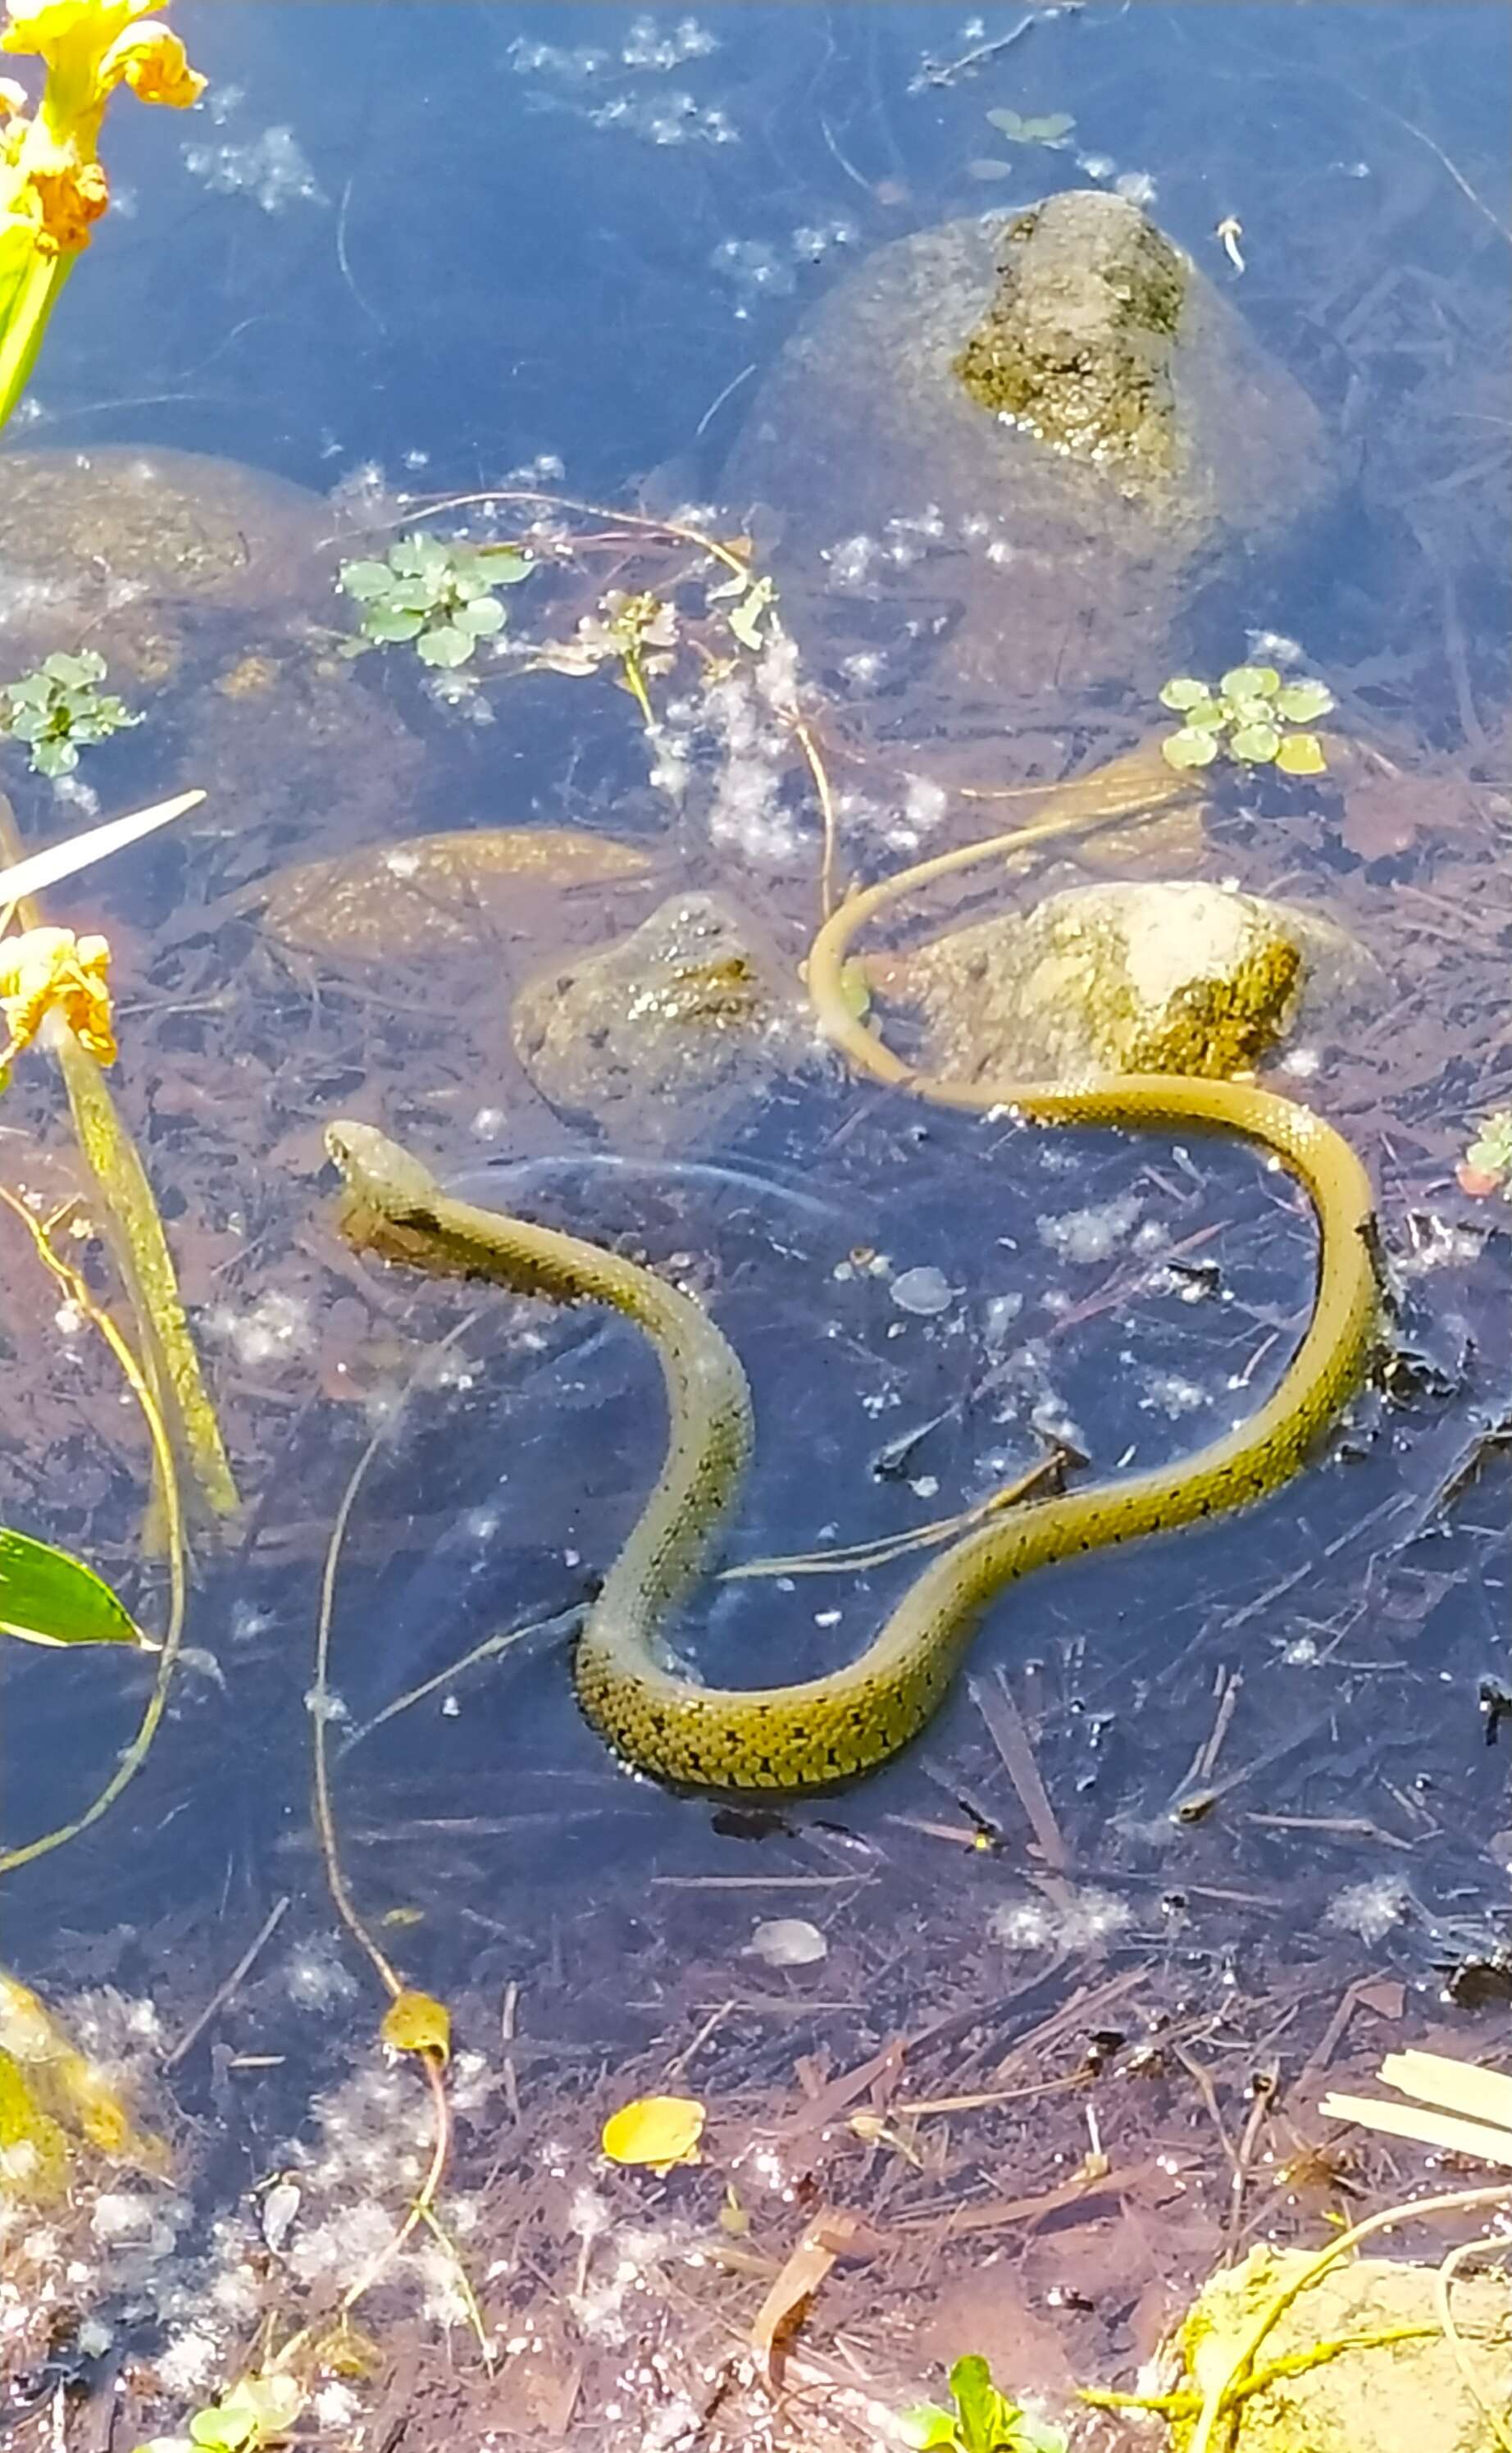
788,1941
924,1292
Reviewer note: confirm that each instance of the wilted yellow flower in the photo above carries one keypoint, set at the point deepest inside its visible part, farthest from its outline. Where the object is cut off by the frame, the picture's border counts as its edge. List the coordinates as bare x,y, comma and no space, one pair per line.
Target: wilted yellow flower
50,971
153,61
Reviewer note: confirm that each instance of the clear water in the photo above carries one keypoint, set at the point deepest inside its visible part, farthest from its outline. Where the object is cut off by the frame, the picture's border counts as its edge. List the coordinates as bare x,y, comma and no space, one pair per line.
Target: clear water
430,248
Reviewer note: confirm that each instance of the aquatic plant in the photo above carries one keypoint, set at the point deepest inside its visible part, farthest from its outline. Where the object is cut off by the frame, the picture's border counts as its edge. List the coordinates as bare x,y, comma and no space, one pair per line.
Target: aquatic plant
60,708
258,2411
1245,714
52,185
1486,1166
979,2419
1055,130
436,595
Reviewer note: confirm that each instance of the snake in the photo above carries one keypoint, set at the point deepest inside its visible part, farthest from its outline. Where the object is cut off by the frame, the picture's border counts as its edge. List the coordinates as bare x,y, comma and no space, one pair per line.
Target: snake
818,1733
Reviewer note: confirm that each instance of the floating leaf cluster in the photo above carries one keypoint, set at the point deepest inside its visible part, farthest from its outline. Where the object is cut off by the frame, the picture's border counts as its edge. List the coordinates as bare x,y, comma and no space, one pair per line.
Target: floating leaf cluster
438,595
1246,716
1055,130
981,2420
60,708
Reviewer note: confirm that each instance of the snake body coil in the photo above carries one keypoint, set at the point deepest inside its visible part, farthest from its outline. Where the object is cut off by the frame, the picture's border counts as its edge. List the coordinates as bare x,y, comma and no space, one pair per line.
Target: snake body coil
821,1730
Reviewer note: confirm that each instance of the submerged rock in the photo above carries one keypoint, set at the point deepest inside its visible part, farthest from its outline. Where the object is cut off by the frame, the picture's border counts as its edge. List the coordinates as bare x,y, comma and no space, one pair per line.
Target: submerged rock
1021,443
666,1034
206,586
128,550
1177,978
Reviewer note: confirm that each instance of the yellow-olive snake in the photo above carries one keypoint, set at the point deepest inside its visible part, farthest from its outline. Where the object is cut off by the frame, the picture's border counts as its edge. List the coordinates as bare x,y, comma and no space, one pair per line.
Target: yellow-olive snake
811,1734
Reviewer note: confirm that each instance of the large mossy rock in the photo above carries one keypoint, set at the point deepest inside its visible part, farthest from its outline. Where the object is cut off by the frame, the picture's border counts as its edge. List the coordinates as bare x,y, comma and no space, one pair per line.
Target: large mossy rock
1028,439
1127,977
661,1037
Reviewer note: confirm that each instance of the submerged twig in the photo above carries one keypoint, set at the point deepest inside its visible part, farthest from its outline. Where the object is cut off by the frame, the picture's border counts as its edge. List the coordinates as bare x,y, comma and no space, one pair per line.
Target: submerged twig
224,1992
422,2208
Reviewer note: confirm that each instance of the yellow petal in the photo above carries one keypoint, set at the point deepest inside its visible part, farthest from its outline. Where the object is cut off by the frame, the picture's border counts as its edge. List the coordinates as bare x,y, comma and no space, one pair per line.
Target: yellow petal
50,971
660,2130
70,199
416,2022
44,26
153,61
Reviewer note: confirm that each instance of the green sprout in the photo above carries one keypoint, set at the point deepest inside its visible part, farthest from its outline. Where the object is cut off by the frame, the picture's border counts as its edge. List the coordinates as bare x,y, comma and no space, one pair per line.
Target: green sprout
1246,715
439,595
58,709
981,2420
257,2412
1487,1163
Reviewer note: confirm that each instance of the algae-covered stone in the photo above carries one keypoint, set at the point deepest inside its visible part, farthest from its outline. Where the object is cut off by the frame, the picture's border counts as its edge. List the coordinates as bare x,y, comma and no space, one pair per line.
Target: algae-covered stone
663,1035
1171,977
1019,445
1405,2396
128,550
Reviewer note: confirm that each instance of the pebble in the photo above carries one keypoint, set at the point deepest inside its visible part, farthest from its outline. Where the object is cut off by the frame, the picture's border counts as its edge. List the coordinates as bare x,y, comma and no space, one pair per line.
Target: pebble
924,1292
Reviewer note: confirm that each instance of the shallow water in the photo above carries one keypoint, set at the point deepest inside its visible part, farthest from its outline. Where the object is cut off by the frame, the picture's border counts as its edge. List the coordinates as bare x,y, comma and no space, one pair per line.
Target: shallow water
446,248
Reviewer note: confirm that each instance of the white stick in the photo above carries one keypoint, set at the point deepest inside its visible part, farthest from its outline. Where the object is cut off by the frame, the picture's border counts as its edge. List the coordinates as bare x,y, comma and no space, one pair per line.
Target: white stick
42,869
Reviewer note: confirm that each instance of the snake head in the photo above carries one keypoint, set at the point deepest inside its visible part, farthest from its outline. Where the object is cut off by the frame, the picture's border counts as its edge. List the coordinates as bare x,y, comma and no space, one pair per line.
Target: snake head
377,1171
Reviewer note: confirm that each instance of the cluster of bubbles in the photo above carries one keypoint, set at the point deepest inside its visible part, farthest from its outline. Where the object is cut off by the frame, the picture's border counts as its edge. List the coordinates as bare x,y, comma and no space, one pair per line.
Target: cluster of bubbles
271,168
659,118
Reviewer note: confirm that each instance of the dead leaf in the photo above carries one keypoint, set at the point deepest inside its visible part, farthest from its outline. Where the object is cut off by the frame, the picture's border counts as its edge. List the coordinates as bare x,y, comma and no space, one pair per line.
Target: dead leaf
435,892
829,2234
658,2130
417,2023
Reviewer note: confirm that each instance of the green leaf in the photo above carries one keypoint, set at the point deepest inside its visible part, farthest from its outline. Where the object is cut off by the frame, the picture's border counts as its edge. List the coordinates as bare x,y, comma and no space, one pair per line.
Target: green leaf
926,2426
33,689
1208,715
1182,692
47,1597
481,618
1053,129
986,2421
1009,122
445,646
1257,744
392,622
54,757
1302,753
985,169
365,579
506,564
1303,702
73,670
419,557
219,2433
1188,749
1036,2438
1250,680
30,722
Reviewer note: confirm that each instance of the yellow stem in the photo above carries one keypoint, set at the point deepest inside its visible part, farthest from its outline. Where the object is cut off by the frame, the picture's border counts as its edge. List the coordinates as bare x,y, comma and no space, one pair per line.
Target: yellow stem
26,320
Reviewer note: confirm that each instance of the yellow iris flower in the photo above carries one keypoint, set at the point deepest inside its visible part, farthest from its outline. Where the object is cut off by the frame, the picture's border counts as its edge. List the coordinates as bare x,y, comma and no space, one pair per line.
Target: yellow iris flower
48,970
52,187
